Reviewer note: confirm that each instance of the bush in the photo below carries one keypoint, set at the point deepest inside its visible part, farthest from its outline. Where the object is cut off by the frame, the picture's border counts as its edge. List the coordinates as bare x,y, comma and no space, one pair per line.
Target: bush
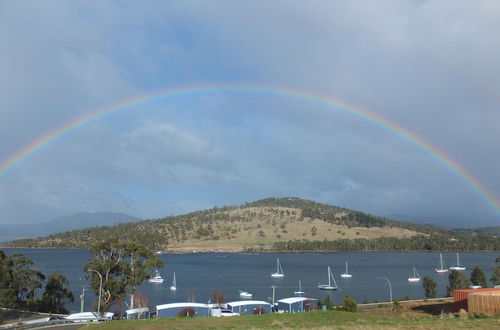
396,306
349,305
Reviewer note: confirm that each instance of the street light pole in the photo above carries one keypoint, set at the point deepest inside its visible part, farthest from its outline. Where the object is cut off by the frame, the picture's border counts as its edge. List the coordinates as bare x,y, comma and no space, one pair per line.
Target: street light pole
100,290
390,287
82,299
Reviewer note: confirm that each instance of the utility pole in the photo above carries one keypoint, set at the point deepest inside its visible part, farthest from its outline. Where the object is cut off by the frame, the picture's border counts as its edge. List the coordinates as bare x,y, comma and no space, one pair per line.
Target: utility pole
274,289
82,299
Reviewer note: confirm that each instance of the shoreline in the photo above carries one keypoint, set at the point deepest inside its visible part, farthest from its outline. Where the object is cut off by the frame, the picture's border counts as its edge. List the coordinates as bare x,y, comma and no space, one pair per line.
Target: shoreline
242,251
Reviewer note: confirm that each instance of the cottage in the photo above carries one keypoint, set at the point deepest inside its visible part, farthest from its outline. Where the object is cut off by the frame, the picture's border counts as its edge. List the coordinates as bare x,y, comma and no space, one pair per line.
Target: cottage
249,307
296,304
182,309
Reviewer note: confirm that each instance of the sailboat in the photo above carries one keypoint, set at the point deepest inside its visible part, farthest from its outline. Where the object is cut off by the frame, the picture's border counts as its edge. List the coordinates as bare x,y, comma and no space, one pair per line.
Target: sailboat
300,292
173,286
279,270
346,274
441,270
329,286
415,277
457,267
157,278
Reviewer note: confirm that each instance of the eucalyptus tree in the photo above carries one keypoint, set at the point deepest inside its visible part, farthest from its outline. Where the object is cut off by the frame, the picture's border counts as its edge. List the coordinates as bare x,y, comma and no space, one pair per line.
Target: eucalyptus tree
18,281
429,287
56,293
477,277
457,281
117,269
495,278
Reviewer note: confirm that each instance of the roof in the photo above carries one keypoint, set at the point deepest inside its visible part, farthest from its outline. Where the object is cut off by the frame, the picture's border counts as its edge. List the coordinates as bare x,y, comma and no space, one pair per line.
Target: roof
487,293
137,310
183,304
87,315
292,300
477,290
247,302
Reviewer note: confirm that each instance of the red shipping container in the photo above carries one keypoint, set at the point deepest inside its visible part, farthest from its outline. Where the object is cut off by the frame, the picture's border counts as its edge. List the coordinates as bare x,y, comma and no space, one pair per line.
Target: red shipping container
460,297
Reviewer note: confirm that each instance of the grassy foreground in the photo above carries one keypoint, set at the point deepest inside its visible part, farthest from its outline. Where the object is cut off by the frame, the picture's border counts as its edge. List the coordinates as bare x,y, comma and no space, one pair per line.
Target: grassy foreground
381,318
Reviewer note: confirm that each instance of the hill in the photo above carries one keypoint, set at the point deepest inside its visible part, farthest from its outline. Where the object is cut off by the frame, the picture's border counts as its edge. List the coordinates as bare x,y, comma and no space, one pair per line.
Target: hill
74,221
287,224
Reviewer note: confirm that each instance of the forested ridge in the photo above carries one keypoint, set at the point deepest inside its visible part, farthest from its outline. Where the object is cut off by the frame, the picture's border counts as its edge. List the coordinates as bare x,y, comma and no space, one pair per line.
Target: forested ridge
282,224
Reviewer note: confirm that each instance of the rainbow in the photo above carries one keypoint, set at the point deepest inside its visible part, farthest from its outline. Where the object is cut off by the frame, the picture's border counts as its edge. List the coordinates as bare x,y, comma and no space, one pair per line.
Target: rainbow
305,96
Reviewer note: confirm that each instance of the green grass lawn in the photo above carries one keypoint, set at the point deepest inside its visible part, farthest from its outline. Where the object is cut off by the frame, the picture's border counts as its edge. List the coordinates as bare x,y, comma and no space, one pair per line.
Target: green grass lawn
382,318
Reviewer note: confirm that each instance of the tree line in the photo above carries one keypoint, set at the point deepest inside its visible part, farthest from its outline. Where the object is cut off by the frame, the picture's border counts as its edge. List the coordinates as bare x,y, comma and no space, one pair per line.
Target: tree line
22,287
415,243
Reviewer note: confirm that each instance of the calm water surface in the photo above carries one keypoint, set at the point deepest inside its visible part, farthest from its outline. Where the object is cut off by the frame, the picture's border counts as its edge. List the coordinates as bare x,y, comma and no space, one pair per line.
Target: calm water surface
199,274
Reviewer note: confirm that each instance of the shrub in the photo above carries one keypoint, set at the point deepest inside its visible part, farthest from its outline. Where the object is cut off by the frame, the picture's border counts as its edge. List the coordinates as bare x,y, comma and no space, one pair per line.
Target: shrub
349,305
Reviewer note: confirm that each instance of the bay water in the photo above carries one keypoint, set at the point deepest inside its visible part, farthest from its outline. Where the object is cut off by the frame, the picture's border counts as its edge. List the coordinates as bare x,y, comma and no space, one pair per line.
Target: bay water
200,274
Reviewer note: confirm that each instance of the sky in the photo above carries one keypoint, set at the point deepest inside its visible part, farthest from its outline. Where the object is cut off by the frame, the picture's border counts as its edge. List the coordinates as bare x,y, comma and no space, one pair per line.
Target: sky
428,67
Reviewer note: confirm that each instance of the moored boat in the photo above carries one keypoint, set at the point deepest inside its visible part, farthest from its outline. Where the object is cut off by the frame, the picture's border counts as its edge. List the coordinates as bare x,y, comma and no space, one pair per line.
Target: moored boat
157,278
346,274
441,270
173,286
457,267
329,286
279,270
245,294
415,277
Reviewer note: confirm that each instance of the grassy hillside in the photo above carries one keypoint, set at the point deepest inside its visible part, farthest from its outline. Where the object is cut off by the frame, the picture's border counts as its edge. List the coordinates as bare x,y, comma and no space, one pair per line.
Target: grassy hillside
264,224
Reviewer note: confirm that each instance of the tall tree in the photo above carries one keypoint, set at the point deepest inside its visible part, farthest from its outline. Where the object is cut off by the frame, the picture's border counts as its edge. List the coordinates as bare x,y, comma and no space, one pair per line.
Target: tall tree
140,264
495,278
429,286
457,281
55,294
122,267
18,281
477,277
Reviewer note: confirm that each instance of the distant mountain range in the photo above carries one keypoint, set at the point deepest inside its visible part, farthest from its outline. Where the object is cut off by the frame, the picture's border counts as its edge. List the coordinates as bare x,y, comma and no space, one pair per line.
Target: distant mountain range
9,232
279,224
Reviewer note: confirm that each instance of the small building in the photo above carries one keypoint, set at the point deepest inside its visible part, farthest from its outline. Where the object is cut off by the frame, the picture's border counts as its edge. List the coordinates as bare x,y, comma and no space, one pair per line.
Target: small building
137,313
297,304
484,303
460,297
249,307
182,309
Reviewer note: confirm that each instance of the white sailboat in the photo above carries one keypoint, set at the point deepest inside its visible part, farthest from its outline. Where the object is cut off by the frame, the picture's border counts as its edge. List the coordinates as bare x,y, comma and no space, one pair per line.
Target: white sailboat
457,267
346,274
300,292
279,270
157,278
173,286
441,270
329,286
415,277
